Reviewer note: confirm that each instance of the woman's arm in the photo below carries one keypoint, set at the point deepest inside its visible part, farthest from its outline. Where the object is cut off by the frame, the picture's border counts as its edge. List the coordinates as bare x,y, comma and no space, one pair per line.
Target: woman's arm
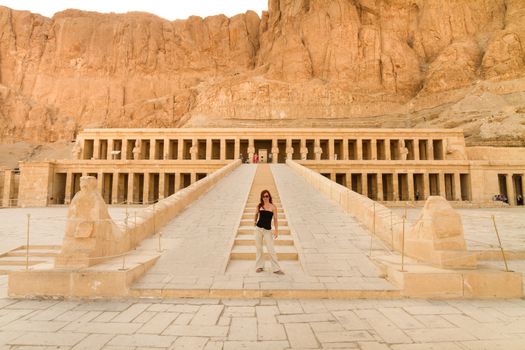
256,215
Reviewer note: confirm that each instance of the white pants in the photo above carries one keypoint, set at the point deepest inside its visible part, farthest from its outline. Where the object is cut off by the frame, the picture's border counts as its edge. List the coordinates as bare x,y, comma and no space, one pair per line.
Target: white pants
261,233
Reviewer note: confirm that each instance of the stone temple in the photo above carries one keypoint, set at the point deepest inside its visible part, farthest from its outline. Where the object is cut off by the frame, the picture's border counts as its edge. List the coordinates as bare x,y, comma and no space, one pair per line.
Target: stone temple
141,166
390,133
134,152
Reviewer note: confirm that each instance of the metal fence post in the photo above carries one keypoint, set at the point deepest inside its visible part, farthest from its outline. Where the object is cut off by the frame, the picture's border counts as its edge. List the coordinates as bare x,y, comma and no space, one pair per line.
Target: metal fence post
499,241
27,241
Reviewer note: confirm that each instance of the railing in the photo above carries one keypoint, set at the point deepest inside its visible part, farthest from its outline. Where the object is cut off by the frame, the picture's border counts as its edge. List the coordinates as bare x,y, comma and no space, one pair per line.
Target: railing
382,222
143,222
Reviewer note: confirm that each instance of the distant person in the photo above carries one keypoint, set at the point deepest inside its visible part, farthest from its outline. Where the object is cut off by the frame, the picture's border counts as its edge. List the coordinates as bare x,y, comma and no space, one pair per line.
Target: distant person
264,213
519,200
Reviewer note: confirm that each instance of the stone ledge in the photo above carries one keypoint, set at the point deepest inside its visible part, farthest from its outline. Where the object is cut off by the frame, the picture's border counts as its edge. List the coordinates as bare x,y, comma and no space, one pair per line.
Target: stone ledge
423,281
106,280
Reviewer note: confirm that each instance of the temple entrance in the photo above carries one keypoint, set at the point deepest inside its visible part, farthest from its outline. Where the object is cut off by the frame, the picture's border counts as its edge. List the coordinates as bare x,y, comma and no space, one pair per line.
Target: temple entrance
262,147
263,155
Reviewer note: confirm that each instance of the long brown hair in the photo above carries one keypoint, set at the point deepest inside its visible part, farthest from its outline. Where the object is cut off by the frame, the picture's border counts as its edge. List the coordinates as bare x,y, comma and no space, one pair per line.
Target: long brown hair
261,203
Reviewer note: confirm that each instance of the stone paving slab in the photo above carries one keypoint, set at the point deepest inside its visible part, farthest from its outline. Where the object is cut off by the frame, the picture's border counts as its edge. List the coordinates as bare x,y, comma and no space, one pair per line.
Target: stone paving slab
262,324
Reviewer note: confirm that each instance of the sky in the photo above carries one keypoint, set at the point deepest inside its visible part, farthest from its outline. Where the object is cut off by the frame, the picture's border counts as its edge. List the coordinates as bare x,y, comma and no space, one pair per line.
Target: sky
174,9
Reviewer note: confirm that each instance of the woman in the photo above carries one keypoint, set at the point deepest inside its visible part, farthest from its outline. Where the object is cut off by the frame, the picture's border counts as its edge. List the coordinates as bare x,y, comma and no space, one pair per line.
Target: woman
263,230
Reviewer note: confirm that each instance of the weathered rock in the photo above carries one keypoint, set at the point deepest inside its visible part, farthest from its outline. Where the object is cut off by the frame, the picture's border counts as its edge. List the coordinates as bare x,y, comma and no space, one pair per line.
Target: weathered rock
437,237
304,62
91,235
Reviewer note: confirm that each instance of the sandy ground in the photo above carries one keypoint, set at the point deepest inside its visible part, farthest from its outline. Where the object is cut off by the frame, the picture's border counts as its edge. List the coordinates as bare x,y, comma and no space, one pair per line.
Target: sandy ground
11,154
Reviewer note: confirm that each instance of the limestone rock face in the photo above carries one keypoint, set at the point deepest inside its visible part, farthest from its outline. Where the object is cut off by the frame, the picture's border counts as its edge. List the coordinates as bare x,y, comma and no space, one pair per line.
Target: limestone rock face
392,63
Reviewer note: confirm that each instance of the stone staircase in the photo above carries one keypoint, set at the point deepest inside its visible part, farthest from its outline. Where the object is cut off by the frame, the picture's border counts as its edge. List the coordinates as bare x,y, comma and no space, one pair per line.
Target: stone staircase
15,260
244,246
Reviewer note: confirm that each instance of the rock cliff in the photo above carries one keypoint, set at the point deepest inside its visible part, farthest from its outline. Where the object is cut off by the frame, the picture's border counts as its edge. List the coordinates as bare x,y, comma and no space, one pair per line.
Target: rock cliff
390,63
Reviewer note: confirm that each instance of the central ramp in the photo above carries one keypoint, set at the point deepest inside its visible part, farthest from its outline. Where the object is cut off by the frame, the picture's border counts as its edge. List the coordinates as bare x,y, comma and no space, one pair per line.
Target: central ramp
209,250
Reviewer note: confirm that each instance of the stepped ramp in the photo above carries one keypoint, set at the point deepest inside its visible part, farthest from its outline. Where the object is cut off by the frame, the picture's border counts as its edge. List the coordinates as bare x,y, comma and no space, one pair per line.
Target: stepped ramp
199,247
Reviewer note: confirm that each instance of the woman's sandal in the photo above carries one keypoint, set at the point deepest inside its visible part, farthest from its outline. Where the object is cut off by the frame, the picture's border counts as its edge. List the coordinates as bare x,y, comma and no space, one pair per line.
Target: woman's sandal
260,269
279,272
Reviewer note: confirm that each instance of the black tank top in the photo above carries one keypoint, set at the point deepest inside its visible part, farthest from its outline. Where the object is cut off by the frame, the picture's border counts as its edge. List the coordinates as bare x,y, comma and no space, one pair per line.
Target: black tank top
265,219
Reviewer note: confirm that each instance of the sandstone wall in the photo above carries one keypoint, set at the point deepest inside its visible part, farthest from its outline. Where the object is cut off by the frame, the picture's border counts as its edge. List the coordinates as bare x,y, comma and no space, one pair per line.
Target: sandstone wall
305,62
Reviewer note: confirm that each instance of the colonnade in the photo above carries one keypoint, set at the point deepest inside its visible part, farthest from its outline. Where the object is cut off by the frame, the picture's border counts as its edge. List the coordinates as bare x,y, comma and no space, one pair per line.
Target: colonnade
405,185
125,187
276,149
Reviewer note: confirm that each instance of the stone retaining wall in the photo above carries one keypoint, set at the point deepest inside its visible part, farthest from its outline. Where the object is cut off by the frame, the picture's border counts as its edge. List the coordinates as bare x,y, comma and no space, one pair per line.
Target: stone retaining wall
387,225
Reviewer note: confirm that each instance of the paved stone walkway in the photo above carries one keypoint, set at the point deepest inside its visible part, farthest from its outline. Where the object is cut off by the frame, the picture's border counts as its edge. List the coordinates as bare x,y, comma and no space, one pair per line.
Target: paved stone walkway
333,246
266,324
196,244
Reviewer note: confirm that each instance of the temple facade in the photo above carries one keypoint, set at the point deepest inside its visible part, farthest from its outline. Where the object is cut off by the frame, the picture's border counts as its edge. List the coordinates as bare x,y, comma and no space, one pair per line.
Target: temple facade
139,166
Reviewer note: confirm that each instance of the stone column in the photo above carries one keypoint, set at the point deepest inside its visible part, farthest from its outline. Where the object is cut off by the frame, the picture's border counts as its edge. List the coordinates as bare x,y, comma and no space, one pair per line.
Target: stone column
109,155
359,149
317,149
430,149
275,151
251,150
96,148
162,179
395,186
387,149
180,149
303,150
100,182
223,150
416,149
289,149
426,186
364,184
152,148
345,149
457,187
441,181
510,190
69,180
332,176
124,150
237,148
193,177
348,179
82,143
194,150
208,149
177,181
331,151
380,191
373,149
145,194
114,190
166,151
131,185
410,179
